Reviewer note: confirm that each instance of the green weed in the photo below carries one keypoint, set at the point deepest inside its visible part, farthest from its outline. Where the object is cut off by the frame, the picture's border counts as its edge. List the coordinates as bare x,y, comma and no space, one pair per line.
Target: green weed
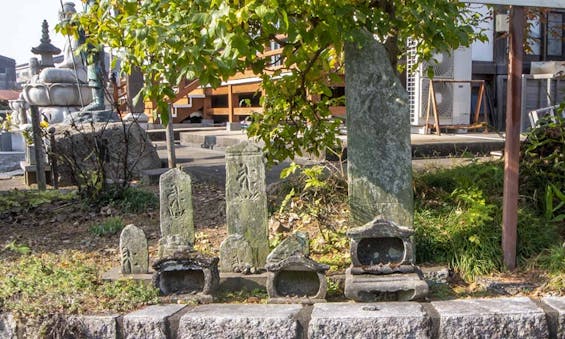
17,248
37,286
110,226
552,260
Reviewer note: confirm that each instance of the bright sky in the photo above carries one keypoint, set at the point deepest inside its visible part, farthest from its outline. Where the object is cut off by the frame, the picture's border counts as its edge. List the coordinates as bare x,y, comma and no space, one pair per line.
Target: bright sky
20,26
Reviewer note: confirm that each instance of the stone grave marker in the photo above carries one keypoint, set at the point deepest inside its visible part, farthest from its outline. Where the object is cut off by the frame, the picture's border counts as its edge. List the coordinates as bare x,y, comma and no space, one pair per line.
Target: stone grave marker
133,250
176,213
380,178
378,143
246,209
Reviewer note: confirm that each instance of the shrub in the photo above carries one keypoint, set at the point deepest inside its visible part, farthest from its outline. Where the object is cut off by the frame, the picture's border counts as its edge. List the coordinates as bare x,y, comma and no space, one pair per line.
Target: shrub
458,220
542,166
128,200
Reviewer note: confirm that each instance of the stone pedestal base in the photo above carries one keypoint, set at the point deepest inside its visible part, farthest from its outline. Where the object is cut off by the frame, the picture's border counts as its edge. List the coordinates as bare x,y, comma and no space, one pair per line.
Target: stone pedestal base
92,116
390,287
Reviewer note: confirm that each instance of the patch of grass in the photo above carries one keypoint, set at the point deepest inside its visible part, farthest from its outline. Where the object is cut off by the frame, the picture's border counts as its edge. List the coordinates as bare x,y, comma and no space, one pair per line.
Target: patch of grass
128,200
551,260
136,200
110,226
458,220
38,286
32,198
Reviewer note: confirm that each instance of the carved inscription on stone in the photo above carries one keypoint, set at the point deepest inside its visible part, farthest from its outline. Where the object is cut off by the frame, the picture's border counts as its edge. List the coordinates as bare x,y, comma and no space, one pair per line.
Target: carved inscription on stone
176,206
133,250
177,202
248,181
246,206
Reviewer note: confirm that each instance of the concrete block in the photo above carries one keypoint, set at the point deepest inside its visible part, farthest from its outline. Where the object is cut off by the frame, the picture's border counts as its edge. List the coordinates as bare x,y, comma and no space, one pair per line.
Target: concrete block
151,322
517,317
8,326
557,316
241,321
371,320
94,326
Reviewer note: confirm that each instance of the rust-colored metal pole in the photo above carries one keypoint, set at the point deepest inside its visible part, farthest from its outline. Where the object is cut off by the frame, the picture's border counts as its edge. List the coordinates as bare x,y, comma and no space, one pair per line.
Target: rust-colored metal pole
512,144
38,144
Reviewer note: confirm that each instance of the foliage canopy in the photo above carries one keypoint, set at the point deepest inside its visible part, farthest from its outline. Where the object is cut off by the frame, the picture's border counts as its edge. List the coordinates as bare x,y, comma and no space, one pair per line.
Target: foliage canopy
211,40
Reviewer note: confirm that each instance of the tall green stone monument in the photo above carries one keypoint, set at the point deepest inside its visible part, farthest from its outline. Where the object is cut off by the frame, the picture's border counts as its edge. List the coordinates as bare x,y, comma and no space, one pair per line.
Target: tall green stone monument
380,179
247,245
378,139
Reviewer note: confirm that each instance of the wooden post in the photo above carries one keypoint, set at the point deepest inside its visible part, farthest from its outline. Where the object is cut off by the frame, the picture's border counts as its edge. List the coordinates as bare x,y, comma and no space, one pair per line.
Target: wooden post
231,117
512,144
170,137
38,143
53,158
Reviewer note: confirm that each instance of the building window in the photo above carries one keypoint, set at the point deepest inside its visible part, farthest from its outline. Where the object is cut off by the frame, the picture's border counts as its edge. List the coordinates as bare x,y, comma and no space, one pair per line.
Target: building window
252,99
2,70
555,34
534,37
220,100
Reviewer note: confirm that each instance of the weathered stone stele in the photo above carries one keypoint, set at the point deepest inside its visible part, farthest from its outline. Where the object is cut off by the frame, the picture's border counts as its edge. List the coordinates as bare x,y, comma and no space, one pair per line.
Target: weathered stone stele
177,226
236,254
246,202
295,243
133,250
380,178
378,142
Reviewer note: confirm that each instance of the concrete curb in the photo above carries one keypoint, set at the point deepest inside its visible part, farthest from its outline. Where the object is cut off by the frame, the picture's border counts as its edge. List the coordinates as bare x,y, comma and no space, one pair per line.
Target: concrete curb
515,317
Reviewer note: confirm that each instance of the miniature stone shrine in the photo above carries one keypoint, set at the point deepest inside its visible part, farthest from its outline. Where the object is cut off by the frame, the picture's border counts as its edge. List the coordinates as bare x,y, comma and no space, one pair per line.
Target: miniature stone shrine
180,269
292,276
382,264
380,177
133,250
246,247
187,272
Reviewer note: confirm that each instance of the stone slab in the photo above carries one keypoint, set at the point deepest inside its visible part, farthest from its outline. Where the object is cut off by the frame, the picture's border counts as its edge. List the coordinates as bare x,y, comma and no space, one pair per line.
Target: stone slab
94,326
371,320
517,317
240,321
8,326
558,305
150,322
230,281
389,287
